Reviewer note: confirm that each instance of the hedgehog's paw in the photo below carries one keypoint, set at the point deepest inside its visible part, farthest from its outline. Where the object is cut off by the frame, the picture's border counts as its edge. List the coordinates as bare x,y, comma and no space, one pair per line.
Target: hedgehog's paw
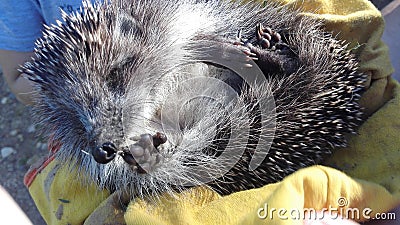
269,50
144,154
266,37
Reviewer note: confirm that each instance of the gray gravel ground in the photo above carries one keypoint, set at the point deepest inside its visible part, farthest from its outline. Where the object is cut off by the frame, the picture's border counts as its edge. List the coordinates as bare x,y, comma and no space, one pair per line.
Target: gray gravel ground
18,137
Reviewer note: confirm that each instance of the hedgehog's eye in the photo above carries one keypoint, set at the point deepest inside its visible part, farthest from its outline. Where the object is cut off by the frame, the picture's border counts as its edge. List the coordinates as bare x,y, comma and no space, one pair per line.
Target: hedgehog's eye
128,26
115,78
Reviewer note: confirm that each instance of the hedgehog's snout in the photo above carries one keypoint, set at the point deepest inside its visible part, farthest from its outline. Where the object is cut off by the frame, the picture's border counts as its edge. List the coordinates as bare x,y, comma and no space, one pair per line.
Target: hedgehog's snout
104,153
143,155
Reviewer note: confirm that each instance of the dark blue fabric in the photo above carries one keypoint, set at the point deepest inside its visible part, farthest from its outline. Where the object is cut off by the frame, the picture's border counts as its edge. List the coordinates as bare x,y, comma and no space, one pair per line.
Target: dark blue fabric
21,22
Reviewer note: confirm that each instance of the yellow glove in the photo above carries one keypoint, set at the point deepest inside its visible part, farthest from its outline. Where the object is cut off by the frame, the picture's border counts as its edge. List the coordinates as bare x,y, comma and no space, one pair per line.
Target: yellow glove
316,188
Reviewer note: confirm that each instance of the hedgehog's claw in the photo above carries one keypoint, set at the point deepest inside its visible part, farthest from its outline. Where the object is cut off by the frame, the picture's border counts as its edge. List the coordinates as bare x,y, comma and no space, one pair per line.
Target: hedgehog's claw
242,44
249,53
239,39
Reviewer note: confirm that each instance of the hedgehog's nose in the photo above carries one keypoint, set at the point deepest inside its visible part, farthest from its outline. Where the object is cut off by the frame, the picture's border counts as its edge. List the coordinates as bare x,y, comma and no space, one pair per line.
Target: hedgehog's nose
105,153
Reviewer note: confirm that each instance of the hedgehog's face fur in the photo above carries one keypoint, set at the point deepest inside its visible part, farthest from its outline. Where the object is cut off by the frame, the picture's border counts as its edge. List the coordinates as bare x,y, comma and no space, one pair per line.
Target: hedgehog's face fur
113,83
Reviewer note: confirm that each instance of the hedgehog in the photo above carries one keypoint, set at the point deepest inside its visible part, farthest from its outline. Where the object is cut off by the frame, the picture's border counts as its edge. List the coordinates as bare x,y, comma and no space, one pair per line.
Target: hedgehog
148,97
